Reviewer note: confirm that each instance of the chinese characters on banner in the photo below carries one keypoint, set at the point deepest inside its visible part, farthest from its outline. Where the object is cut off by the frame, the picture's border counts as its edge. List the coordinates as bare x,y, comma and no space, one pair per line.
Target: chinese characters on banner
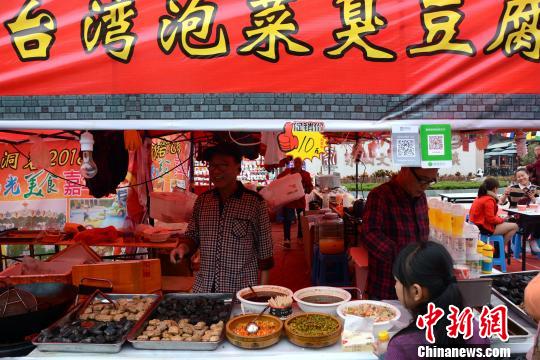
20,180
338,46
170,166
492,322
303,139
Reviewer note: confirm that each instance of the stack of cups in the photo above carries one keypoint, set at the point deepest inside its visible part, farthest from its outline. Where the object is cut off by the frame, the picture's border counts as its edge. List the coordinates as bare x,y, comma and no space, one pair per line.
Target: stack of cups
471,235
458,240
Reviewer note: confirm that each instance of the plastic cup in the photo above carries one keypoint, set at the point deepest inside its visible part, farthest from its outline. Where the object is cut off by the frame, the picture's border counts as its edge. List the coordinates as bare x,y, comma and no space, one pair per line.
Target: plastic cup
533,207
462,272
522,207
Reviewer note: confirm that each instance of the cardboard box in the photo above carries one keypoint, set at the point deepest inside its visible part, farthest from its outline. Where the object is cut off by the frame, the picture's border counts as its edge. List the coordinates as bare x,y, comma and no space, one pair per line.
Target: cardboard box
59,266
127,277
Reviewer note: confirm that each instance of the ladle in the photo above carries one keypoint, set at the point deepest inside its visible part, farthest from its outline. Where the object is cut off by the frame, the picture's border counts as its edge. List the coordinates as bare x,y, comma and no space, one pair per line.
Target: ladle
252,326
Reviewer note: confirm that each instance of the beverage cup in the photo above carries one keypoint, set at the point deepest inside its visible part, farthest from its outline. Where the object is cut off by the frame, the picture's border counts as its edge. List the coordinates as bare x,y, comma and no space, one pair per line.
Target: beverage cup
522,207
462,272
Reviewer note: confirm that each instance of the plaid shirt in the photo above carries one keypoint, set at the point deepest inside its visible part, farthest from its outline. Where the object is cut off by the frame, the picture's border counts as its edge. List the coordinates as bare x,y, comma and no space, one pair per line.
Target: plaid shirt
391,220
234,238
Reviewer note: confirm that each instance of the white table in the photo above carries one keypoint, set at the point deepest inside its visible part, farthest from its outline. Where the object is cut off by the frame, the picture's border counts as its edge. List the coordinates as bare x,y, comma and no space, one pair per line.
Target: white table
282,350
455,197
526,219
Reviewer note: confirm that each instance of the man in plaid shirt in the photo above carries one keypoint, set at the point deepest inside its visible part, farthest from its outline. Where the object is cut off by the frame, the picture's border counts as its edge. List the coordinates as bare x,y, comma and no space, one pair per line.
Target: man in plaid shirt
231,226
395,215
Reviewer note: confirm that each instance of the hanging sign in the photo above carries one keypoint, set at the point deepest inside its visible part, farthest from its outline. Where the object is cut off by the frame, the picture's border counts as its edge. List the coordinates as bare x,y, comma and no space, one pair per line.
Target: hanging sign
436,142
303,139
406,146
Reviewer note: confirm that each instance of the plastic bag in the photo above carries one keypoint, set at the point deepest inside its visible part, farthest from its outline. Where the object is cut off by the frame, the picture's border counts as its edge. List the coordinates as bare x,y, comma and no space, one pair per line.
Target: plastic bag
283,190
172,206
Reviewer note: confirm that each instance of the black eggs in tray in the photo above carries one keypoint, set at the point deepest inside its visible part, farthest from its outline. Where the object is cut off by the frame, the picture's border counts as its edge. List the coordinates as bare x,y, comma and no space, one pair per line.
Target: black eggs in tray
512,286
87,332
197,309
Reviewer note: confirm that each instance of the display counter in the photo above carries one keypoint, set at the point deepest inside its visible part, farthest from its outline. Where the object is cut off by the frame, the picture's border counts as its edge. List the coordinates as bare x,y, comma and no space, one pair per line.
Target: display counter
282,350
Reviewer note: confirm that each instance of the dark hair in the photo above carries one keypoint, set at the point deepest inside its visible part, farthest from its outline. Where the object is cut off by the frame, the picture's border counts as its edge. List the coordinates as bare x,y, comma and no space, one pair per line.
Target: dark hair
223,149
489,183
429,265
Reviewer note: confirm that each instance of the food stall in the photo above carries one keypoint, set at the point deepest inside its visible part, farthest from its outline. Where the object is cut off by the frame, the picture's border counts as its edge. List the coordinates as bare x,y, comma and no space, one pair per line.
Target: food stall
246,67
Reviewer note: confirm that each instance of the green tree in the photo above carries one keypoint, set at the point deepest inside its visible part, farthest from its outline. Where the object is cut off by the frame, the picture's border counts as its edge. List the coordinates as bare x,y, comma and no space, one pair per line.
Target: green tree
530,157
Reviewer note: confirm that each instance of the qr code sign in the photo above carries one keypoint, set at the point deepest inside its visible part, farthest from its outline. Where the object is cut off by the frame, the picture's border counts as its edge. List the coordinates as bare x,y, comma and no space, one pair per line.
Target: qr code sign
406,148
435,144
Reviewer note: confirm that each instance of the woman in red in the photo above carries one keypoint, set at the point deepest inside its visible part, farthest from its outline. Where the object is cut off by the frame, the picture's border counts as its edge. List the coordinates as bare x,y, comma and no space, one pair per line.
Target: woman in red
484,210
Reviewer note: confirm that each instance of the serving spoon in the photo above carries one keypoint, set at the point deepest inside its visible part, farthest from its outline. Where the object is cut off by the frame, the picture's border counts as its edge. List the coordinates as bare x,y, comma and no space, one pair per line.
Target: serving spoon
252,326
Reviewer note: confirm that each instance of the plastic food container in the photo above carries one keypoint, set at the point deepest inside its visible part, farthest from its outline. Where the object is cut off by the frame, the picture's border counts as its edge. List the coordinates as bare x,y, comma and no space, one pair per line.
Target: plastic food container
377,325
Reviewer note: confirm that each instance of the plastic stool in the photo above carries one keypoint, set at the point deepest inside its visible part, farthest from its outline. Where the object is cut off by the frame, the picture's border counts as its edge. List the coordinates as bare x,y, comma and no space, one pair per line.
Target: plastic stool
499,240
516,245
332,270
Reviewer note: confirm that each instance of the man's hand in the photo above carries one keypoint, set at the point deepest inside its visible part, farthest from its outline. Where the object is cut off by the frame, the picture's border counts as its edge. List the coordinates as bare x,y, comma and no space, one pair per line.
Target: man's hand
286,140
177,254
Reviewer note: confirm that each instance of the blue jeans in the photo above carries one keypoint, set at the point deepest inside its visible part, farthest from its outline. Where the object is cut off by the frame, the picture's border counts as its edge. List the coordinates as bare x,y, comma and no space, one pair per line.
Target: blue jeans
288,216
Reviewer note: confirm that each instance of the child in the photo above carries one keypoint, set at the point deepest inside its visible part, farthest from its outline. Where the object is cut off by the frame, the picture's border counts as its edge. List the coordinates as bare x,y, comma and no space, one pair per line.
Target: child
424,274
484,210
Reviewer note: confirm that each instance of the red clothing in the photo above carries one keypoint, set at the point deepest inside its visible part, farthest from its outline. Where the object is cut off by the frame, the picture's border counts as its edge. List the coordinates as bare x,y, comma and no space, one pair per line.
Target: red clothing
534,170
483,212
306,183
392,219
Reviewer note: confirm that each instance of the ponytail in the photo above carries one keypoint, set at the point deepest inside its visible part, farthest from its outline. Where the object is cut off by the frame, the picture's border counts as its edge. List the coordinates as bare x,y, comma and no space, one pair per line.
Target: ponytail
489,183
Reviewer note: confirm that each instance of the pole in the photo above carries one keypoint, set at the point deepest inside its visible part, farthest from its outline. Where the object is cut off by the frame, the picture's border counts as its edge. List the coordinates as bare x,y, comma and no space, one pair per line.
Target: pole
329,157
191,162
356,161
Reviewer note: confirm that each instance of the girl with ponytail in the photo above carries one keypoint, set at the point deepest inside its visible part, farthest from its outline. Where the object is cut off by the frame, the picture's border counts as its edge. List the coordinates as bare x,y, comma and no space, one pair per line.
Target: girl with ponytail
484,209
424,274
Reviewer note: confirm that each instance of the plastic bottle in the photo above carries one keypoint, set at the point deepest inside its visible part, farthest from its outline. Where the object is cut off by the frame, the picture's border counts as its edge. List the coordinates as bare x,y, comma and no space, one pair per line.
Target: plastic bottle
331,234
382,341
487,261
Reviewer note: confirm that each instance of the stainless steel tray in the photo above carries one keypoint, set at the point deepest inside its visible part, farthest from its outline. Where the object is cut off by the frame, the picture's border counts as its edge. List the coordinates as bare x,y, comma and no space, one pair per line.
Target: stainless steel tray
92,348
179,345
511,305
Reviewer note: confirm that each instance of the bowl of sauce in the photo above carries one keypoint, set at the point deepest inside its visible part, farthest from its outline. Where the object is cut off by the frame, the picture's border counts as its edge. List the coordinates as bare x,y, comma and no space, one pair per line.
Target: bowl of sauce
323,299
254,303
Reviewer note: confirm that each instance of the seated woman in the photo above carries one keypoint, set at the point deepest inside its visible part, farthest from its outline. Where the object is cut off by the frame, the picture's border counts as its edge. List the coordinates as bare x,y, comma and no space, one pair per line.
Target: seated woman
523,192
424,274
484,209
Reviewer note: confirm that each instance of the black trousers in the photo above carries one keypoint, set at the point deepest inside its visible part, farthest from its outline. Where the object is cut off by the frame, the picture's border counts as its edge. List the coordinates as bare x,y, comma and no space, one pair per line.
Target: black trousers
288,216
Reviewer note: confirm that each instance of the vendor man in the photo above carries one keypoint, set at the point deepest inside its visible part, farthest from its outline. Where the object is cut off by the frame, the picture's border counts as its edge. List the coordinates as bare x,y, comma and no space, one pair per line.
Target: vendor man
231,226
395,215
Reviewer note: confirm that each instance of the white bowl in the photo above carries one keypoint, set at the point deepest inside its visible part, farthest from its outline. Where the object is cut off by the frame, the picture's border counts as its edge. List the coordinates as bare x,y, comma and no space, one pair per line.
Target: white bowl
321,291
256,307
377,326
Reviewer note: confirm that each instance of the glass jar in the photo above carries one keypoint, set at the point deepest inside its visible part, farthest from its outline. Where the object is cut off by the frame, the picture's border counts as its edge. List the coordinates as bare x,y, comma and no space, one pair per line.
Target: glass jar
331,234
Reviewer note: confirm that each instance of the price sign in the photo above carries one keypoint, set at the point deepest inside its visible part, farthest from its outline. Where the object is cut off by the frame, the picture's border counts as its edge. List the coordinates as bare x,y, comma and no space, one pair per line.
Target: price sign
303,139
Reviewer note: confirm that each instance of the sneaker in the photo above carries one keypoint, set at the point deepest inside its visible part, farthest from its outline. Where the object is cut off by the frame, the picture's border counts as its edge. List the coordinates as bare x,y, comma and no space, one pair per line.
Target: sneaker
287,244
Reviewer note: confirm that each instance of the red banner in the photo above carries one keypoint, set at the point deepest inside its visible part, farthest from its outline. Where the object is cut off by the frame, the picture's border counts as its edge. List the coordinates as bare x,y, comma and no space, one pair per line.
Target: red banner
305,46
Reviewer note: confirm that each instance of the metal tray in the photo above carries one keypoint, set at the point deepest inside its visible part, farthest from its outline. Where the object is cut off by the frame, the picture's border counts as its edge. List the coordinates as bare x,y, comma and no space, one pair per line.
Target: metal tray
179,345
512,306
92,348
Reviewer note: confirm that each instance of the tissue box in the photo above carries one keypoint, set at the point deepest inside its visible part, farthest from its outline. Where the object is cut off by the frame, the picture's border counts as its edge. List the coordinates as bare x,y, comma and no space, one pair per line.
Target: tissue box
356,341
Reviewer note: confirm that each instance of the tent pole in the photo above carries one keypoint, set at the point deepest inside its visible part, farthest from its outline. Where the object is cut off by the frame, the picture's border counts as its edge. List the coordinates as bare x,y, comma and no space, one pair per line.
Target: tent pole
191,162
356,165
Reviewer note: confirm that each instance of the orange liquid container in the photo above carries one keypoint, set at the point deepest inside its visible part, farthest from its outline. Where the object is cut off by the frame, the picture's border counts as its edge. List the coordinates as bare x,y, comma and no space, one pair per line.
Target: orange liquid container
331,234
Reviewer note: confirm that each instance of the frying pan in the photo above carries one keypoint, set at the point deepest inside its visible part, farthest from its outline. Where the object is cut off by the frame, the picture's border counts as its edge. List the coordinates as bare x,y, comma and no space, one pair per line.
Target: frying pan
53,300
